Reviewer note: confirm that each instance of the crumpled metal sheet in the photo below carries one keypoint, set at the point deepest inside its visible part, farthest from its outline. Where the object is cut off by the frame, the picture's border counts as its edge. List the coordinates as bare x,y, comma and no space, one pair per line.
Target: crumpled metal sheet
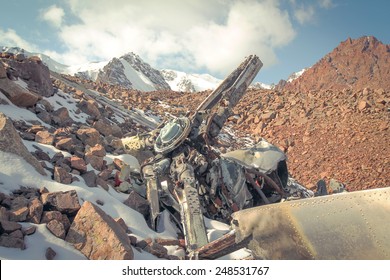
342,226
263,156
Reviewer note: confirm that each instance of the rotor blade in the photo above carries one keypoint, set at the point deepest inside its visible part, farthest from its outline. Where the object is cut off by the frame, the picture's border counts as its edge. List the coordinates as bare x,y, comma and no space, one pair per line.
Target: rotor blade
243,75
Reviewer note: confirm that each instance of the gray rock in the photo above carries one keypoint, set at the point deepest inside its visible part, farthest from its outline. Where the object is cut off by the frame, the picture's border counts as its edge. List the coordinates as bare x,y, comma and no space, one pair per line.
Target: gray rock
9,226
138,203
11,142
90,179
50,254
12,242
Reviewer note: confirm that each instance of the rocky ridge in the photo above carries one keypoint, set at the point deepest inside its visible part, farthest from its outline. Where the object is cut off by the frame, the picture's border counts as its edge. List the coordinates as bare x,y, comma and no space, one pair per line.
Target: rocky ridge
131,72
355,64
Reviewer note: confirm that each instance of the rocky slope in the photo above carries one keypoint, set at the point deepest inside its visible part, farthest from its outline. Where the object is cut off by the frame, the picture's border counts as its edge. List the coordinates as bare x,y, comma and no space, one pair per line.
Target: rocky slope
130,71
355,63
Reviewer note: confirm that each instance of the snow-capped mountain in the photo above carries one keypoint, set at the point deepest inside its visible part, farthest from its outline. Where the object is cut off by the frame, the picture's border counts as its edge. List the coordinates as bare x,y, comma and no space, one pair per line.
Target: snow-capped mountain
132,72
260,85
181,81
296,75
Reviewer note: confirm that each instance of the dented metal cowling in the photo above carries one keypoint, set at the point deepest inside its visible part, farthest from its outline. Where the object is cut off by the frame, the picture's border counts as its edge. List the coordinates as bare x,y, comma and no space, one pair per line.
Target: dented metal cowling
342,226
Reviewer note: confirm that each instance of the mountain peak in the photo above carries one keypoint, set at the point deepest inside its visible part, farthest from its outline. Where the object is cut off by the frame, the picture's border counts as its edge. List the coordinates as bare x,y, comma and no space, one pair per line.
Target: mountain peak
354,63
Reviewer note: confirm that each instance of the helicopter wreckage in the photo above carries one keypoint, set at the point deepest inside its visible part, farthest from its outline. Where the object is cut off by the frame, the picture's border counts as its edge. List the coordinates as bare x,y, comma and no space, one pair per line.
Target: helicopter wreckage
269,212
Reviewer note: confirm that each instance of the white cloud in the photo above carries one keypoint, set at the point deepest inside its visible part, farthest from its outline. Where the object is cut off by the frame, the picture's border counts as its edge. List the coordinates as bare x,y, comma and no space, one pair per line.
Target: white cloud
54,15
10,38
304,14
212,35
327,4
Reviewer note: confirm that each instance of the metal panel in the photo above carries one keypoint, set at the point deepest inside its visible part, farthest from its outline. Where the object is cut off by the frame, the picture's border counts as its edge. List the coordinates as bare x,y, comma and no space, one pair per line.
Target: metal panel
352,225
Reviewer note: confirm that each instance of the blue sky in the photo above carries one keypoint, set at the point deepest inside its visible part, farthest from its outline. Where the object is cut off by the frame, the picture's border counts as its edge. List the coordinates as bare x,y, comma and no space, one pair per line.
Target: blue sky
203,36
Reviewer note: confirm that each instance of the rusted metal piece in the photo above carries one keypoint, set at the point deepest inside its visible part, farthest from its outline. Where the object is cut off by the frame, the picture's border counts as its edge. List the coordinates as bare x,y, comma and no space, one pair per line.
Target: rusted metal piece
341,226
256,187
268,180
220,247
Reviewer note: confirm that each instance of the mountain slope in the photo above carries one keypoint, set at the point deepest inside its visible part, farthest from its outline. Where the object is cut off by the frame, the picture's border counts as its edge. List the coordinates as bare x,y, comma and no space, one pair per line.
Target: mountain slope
181,81
131,72
355,63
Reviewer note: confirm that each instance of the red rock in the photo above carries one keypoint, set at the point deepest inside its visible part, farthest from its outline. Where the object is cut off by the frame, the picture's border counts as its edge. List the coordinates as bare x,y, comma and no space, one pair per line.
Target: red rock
347,66
78,164
44,137
98,236
64,202
62,176
56,228
95,161
65,144
157,250
97,150
363,105
104,127
47,216
29,230
17,95
35,208
90,107
89,136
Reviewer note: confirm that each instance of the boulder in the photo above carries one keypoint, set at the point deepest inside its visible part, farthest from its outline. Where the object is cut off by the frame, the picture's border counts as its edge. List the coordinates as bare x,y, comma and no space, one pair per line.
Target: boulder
11,142
18,95
12,242
157,250
95,161
19,209
98,236
56,228
89,136
64,202
90,108
8,227
66,144
35,208
4,214
62,176
97,150
47,216
37,74
3,72
104,127
90,179
138,203
44,137
50,254
61,117
78,164
29,230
